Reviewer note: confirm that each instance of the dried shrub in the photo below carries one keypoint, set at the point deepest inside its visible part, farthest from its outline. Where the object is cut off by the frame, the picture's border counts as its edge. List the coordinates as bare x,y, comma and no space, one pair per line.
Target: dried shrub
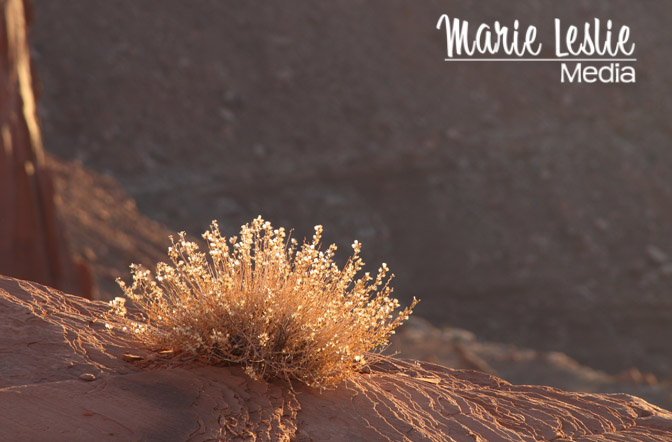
262,302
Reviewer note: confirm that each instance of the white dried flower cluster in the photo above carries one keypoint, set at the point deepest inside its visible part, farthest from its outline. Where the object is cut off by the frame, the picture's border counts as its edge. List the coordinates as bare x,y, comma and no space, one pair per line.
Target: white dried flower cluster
264,303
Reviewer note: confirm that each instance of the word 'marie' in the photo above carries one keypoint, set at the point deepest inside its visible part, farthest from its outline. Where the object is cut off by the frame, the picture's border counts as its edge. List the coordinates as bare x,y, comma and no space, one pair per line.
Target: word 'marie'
593,43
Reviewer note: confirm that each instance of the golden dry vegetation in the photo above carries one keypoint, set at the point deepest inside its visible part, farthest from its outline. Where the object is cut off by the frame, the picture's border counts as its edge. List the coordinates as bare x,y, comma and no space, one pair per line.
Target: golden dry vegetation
265,303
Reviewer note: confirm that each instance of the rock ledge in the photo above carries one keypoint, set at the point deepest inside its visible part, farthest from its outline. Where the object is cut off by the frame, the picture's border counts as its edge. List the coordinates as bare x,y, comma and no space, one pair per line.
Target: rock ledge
64,376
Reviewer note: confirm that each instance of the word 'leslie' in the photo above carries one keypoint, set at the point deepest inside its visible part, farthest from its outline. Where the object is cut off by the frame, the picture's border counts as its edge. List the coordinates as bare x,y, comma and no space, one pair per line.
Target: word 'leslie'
491,40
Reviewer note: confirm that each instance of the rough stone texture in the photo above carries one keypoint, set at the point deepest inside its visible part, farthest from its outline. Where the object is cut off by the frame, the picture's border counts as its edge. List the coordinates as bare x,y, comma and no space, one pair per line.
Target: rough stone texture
32,245
458,348
484,187
52,343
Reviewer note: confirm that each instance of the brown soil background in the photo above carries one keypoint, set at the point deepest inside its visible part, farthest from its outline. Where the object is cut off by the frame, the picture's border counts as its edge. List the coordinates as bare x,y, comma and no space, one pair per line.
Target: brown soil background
516,207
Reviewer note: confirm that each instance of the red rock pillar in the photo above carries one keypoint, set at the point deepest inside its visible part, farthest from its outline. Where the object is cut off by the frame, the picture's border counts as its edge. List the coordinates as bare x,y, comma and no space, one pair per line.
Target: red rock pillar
32,245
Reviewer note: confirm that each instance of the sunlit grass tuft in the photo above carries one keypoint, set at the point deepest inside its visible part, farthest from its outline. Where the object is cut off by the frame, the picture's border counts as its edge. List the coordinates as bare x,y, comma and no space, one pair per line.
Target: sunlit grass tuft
264,303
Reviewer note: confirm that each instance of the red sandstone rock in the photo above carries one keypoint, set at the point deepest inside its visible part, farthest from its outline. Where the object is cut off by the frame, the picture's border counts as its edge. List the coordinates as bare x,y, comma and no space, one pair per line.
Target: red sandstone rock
457,348
32,245
49,340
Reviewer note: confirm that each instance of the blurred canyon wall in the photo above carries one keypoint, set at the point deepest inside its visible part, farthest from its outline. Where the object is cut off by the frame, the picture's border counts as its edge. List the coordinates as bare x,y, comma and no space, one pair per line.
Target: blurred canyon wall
32,244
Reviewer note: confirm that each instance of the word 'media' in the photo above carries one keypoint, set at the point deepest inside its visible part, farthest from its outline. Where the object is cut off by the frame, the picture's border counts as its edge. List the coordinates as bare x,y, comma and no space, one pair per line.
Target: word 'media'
588,54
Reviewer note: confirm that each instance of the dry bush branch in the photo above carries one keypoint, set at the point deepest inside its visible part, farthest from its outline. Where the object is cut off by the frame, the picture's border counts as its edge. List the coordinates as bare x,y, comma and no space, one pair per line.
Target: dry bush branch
262,302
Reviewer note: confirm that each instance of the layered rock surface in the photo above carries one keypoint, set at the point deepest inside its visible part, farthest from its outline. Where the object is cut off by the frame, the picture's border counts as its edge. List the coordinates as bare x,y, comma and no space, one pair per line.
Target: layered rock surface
65,377
458,348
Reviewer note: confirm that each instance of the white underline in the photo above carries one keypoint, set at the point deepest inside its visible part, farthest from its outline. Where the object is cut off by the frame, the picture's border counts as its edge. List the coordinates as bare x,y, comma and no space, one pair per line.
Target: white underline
604,60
